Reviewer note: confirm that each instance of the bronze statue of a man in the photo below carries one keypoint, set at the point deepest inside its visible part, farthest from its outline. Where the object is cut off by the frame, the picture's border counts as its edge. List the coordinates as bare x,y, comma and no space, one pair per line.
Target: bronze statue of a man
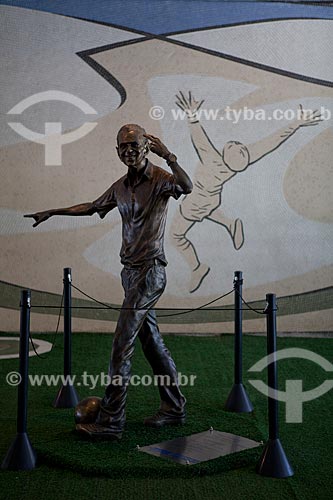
141,197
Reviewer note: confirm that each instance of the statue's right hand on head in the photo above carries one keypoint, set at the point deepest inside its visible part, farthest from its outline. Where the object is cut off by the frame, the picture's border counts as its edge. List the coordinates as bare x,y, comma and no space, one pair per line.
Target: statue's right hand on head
39,217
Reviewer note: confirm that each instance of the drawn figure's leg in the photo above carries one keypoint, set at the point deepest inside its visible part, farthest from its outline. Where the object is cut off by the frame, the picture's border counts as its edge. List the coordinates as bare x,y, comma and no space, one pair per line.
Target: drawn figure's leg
233,226
179,229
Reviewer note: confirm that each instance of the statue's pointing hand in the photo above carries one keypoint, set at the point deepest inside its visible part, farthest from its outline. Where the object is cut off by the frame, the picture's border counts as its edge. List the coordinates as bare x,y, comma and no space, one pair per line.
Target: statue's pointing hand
39,217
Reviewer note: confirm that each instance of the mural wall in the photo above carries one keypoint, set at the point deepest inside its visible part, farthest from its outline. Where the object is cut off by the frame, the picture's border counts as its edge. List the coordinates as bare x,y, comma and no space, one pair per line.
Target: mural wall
241,94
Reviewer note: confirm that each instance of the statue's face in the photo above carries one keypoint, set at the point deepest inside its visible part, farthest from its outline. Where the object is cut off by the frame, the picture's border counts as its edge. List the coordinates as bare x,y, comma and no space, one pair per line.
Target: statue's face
132,148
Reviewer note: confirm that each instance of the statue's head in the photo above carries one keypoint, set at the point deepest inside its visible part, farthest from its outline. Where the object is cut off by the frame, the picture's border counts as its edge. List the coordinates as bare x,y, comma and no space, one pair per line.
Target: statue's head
236,156
132,145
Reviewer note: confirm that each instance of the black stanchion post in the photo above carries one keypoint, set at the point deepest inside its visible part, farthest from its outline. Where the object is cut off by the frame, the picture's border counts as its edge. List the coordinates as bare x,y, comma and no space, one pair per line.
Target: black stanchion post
238,400
67,396
67,322
273,461
21,455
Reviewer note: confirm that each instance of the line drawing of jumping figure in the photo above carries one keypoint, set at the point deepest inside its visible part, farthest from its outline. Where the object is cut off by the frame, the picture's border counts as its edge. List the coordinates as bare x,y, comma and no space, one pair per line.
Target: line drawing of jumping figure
213,171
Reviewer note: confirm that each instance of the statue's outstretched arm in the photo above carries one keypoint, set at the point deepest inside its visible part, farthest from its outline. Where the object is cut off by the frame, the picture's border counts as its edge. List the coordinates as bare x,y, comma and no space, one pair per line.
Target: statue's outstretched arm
81,209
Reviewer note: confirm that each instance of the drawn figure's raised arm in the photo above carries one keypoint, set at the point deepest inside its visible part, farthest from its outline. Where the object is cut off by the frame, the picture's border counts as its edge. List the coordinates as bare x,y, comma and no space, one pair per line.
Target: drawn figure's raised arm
205,149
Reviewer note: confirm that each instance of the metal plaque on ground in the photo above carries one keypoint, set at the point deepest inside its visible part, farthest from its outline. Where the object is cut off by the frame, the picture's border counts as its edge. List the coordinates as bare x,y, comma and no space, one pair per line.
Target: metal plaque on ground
190,450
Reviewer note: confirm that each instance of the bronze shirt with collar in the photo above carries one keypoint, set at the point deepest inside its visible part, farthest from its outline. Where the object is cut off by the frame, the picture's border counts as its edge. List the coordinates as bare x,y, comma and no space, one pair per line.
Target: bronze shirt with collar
143,209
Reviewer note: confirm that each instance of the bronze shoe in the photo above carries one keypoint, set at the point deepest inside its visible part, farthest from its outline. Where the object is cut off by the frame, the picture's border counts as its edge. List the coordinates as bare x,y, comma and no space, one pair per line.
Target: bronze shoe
161,419
96,431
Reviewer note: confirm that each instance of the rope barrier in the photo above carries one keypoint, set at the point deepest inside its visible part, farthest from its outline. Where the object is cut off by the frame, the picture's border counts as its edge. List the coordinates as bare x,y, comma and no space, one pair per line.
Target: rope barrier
107,306
199,308
203,307
55,334
258,311
182,310
104,306
143,308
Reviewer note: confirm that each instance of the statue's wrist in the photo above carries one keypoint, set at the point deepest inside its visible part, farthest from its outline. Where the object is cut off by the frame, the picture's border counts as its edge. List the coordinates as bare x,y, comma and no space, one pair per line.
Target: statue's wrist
170,158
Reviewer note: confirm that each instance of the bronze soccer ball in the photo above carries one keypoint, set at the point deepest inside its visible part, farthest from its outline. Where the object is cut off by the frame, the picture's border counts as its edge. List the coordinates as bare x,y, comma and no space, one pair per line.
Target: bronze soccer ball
86,411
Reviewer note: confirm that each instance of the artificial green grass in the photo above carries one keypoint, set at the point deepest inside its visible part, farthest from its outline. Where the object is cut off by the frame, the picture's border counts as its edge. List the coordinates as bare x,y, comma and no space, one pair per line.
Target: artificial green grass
118,470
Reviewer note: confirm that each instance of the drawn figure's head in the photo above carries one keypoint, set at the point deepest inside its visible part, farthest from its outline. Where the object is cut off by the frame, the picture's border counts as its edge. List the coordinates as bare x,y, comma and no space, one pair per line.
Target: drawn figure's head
132,146
236,156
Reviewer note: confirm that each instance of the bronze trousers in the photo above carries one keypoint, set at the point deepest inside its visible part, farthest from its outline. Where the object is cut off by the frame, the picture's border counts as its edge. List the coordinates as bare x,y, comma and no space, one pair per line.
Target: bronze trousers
143,287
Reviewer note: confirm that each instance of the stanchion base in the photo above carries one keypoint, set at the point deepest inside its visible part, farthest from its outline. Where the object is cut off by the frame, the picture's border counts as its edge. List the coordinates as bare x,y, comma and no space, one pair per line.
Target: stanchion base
273,461
67,397
238,400
21,455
